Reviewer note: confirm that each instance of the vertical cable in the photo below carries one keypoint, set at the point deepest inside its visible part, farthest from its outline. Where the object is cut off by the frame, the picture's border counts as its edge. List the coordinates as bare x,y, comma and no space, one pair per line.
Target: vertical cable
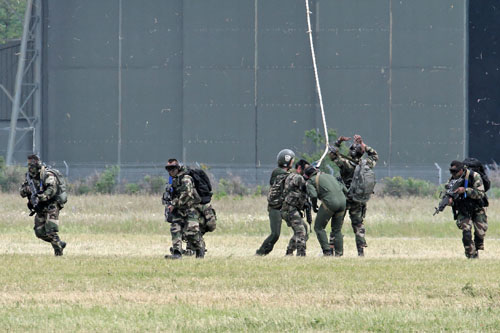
389,160
119,157
255,78
318,88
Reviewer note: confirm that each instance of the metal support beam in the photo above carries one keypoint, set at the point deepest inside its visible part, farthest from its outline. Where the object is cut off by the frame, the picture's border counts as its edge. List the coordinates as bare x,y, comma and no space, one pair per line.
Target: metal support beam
28,59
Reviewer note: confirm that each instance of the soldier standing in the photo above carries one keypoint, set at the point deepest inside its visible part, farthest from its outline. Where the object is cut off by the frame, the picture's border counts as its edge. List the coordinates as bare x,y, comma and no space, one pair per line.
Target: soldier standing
326,188
184,209
357,210
468,208
46,191
274,200
294,202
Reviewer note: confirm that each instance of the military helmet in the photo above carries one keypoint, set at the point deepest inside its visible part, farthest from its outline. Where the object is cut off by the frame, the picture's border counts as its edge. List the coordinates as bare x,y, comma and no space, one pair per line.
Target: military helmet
285,158
34,165
311,170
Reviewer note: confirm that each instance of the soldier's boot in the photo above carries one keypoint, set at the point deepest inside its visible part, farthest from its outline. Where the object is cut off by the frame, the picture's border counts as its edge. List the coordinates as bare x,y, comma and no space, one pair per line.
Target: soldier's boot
200,253
301,252
176,254
473,255
259,253
361,252
58,248
479,244
289,252
328,253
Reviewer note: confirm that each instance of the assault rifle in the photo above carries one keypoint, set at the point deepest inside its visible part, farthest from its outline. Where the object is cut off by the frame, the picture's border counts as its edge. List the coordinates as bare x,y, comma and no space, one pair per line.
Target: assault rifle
34,202
167,201
451,187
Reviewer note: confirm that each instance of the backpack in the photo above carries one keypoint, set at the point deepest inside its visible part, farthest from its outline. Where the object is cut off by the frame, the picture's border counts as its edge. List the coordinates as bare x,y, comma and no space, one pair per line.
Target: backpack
363,183
475,165
61,196
209,222
202,184
275,196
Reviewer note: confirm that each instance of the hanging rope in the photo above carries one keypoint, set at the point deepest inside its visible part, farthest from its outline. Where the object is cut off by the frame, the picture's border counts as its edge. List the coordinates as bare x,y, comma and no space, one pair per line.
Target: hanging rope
318,88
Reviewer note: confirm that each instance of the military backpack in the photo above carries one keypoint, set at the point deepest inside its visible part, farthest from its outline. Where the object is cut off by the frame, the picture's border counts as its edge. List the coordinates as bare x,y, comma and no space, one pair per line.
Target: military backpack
275,196
475,165
61,196
202,184
363,183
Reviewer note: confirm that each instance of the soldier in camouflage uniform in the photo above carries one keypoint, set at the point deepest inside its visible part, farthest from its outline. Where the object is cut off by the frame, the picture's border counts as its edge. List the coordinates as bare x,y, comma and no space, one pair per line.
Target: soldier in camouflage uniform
295,200
326,188
49,202
468,208
184,208
357,210
285,159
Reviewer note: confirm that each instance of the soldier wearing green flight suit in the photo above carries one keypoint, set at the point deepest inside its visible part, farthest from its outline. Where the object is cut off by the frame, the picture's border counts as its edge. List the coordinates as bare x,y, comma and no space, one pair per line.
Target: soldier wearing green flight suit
275,200
357,210
469,208
46,191
184,208
324,187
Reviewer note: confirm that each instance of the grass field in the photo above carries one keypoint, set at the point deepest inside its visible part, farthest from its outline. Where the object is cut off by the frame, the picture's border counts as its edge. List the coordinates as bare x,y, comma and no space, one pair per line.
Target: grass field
113,276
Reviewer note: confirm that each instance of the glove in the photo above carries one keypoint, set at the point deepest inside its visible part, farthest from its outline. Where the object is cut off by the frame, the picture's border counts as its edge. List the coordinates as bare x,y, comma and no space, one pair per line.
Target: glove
315,205
41,197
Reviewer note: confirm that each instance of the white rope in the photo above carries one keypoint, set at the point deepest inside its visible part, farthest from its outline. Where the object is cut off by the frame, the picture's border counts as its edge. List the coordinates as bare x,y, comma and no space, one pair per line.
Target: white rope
318,88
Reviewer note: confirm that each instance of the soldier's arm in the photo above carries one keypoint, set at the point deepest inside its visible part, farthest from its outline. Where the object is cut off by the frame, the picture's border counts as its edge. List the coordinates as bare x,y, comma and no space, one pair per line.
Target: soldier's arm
372,156
24,190
186,192
311,190
50,188
476,190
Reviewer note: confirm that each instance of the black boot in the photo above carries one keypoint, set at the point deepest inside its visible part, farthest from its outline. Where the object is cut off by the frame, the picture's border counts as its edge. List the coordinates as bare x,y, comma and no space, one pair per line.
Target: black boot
361,252
289,252
301,253
58,251
176,254
328,253
200,253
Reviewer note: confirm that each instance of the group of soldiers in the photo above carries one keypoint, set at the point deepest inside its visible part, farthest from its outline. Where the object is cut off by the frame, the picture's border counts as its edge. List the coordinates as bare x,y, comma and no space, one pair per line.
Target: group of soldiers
292,192
304,186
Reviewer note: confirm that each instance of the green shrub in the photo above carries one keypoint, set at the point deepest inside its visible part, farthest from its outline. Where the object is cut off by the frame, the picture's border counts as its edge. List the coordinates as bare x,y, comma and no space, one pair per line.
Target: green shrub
154,184
11,177
132,188
316,142
232,186
400,187
106,182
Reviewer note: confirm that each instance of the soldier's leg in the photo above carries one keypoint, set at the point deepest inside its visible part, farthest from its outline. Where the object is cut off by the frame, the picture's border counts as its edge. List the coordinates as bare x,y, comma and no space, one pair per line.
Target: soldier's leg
464,223
336,237
480,222
52,228
39,228
299,232
357,213
275,223
192,232
176,232
320,223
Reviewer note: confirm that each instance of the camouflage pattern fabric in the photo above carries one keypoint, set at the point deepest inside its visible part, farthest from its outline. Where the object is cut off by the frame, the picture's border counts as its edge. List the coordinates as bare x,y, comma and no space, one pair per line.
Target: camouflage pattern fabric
295,196
186,216
46,222
469,214
347,167
357,212
294,220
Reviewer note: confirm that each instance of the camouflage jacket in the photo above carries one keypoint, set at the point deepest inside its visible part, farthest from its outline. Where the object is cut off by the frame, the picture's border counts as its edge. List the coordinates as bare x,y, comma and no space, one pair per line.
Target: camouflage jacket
46,184
474,193
184,194
346,167
294,192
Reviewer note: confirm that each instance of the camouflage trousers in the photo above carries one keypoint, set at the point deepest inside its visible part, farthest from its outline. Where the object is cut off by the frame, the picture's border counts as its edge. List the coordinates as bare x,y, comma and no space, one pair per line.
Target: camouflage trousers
186,224
275,221
47,225
294,220
479,221
357,212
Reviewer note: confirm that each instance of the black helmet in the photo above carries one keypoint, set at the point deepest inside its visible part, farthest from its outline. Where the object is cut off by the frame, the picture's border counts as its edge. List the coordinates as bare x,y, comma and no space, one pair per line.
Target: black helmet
310,171
285,158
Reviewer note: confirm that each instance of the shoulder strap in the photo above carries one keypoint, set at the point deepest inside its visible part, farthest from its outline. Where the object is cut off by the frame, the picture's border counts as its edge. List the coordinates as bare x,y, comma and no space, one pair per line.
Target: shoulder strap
317,182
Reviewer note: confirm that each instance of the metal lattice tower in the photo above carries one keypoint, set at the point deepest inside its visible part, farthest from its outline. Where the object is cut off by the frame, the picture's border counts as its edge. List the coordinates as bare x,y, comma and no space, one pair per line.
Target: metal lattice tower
27,88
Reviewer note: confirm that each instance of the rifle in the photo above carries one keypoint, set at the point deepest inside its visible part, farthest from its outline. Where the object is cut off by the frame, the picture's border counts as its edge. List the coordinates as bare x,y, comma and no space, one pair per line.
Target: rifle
308,211
451,187
167,201
34,203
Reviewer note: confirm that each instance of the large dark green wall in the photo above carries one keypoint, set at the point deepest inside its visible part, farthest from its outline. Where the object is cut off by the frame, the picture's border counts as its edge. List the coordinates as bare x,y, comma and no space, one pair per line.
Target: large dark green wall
230,83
